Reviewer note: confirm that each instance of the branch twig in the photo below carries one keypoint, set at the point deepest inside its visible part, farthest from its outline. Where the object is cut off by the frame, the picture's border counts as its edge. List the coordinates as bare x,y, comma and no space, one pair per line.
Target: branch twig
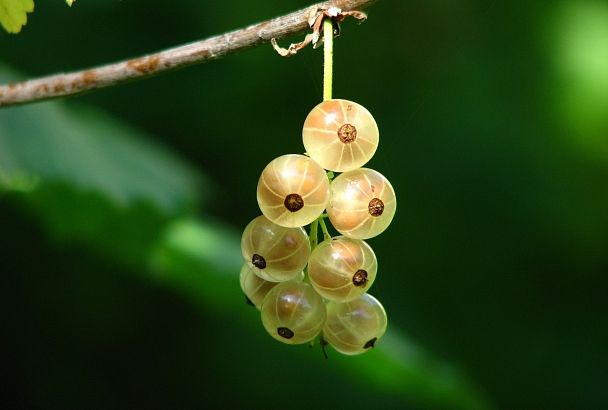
213,48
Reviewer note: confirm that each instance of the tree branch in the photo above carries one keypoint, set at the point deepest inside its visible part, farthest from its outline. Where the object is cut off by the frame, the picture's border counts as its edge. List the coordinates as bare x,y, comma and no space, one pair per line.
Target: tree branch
213,48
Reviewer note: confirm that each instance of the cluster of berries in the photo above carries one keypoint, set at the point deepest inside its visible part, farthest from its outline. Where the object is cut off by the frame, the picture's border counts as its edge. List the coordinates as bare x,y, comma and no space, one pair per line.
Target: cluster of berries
302,289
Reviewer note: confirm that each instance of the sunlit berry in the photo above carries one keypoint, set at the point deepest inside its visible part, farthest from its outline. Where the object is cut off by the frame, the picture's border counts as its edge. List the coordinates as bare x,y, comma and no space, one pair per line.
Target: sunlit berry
342,269
362,203
340,135
293,190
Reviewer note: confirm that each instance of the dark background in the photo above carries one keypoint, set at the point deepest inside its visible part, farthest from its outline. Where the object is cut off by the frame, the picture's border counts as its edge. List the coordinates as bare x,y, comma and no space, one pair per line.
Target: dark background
119,284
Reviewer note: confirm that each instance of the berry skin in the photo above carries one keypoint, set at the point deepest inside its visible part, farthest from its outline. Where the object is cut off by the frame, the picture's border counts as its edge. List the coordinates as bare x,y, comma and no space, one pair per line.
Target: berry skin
362,203
354,327
293,313
293,190
342,269
273,252
340,135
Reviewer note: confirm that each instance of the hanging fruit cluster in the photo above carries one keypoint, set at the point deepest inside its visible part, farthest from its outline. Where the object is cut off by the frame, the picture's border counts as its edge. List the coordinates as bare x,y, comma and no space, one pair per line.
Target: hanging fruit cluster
303,289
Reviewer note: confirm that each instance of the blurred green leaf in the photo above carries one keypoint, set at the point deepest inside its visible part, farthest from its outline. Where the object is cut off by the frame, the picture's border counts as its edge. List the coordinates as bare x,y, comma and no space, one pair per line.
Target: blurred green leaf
13,14
578,39
93,152
91,178
73,216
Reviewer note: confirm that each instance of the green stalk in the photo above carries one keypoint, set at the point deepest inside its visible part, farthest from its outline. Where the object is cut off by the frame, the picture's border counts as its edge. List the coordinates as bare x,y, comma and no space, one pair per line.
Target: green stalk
328,58
314,234
326,235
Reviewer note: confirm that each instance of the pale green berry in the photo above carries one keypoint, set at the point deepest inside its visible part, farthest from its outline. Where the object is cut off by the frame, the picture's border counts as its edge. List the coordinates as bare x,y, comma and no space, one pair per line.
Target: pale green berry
342,269
354,327
293,313
273,252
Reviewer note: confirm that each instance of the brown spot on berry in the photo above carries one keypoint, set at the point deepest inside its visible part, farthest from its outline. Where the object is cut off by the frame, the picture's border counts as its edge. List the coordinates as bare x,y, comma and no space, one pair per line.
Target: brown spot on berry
376,207
294,202
258,261
347,133
285,332
370,343
360,278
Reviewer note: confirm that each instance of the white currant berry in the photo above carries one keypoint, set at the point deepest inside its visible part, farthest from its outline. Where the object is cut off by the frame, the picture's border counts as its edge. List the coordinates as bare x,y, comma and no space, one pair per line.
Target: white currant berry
354,327
362,203
275,253
293,313
342,269
340,135
293,190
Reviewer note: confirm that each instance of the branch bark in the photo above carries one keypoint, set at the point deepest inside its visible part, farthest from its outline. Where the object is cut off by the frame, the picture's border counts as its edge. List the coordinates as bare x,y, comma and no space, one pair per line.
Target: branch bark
65,84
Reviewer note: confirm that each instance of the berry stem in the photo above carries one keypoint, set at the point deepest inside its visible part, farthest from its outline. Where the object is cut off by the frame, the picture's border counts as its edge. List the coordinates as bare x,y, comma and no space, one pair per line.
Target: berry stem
328,58
314,229
326,235
328,62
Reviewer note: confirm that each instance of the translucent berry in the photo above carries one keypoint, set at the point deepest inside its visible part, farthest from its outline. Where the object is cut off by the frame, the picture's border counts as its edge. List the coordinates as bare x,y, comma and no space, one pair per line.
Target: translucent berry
293,190
354,327
340,135
362,203
273,252
293,313
342,269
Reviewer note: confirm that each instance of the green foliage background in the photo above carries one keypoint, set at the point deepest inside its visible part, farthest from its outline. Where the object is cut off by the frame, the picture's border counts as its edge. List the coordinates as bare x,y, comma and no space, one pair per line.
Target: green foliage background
122,209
